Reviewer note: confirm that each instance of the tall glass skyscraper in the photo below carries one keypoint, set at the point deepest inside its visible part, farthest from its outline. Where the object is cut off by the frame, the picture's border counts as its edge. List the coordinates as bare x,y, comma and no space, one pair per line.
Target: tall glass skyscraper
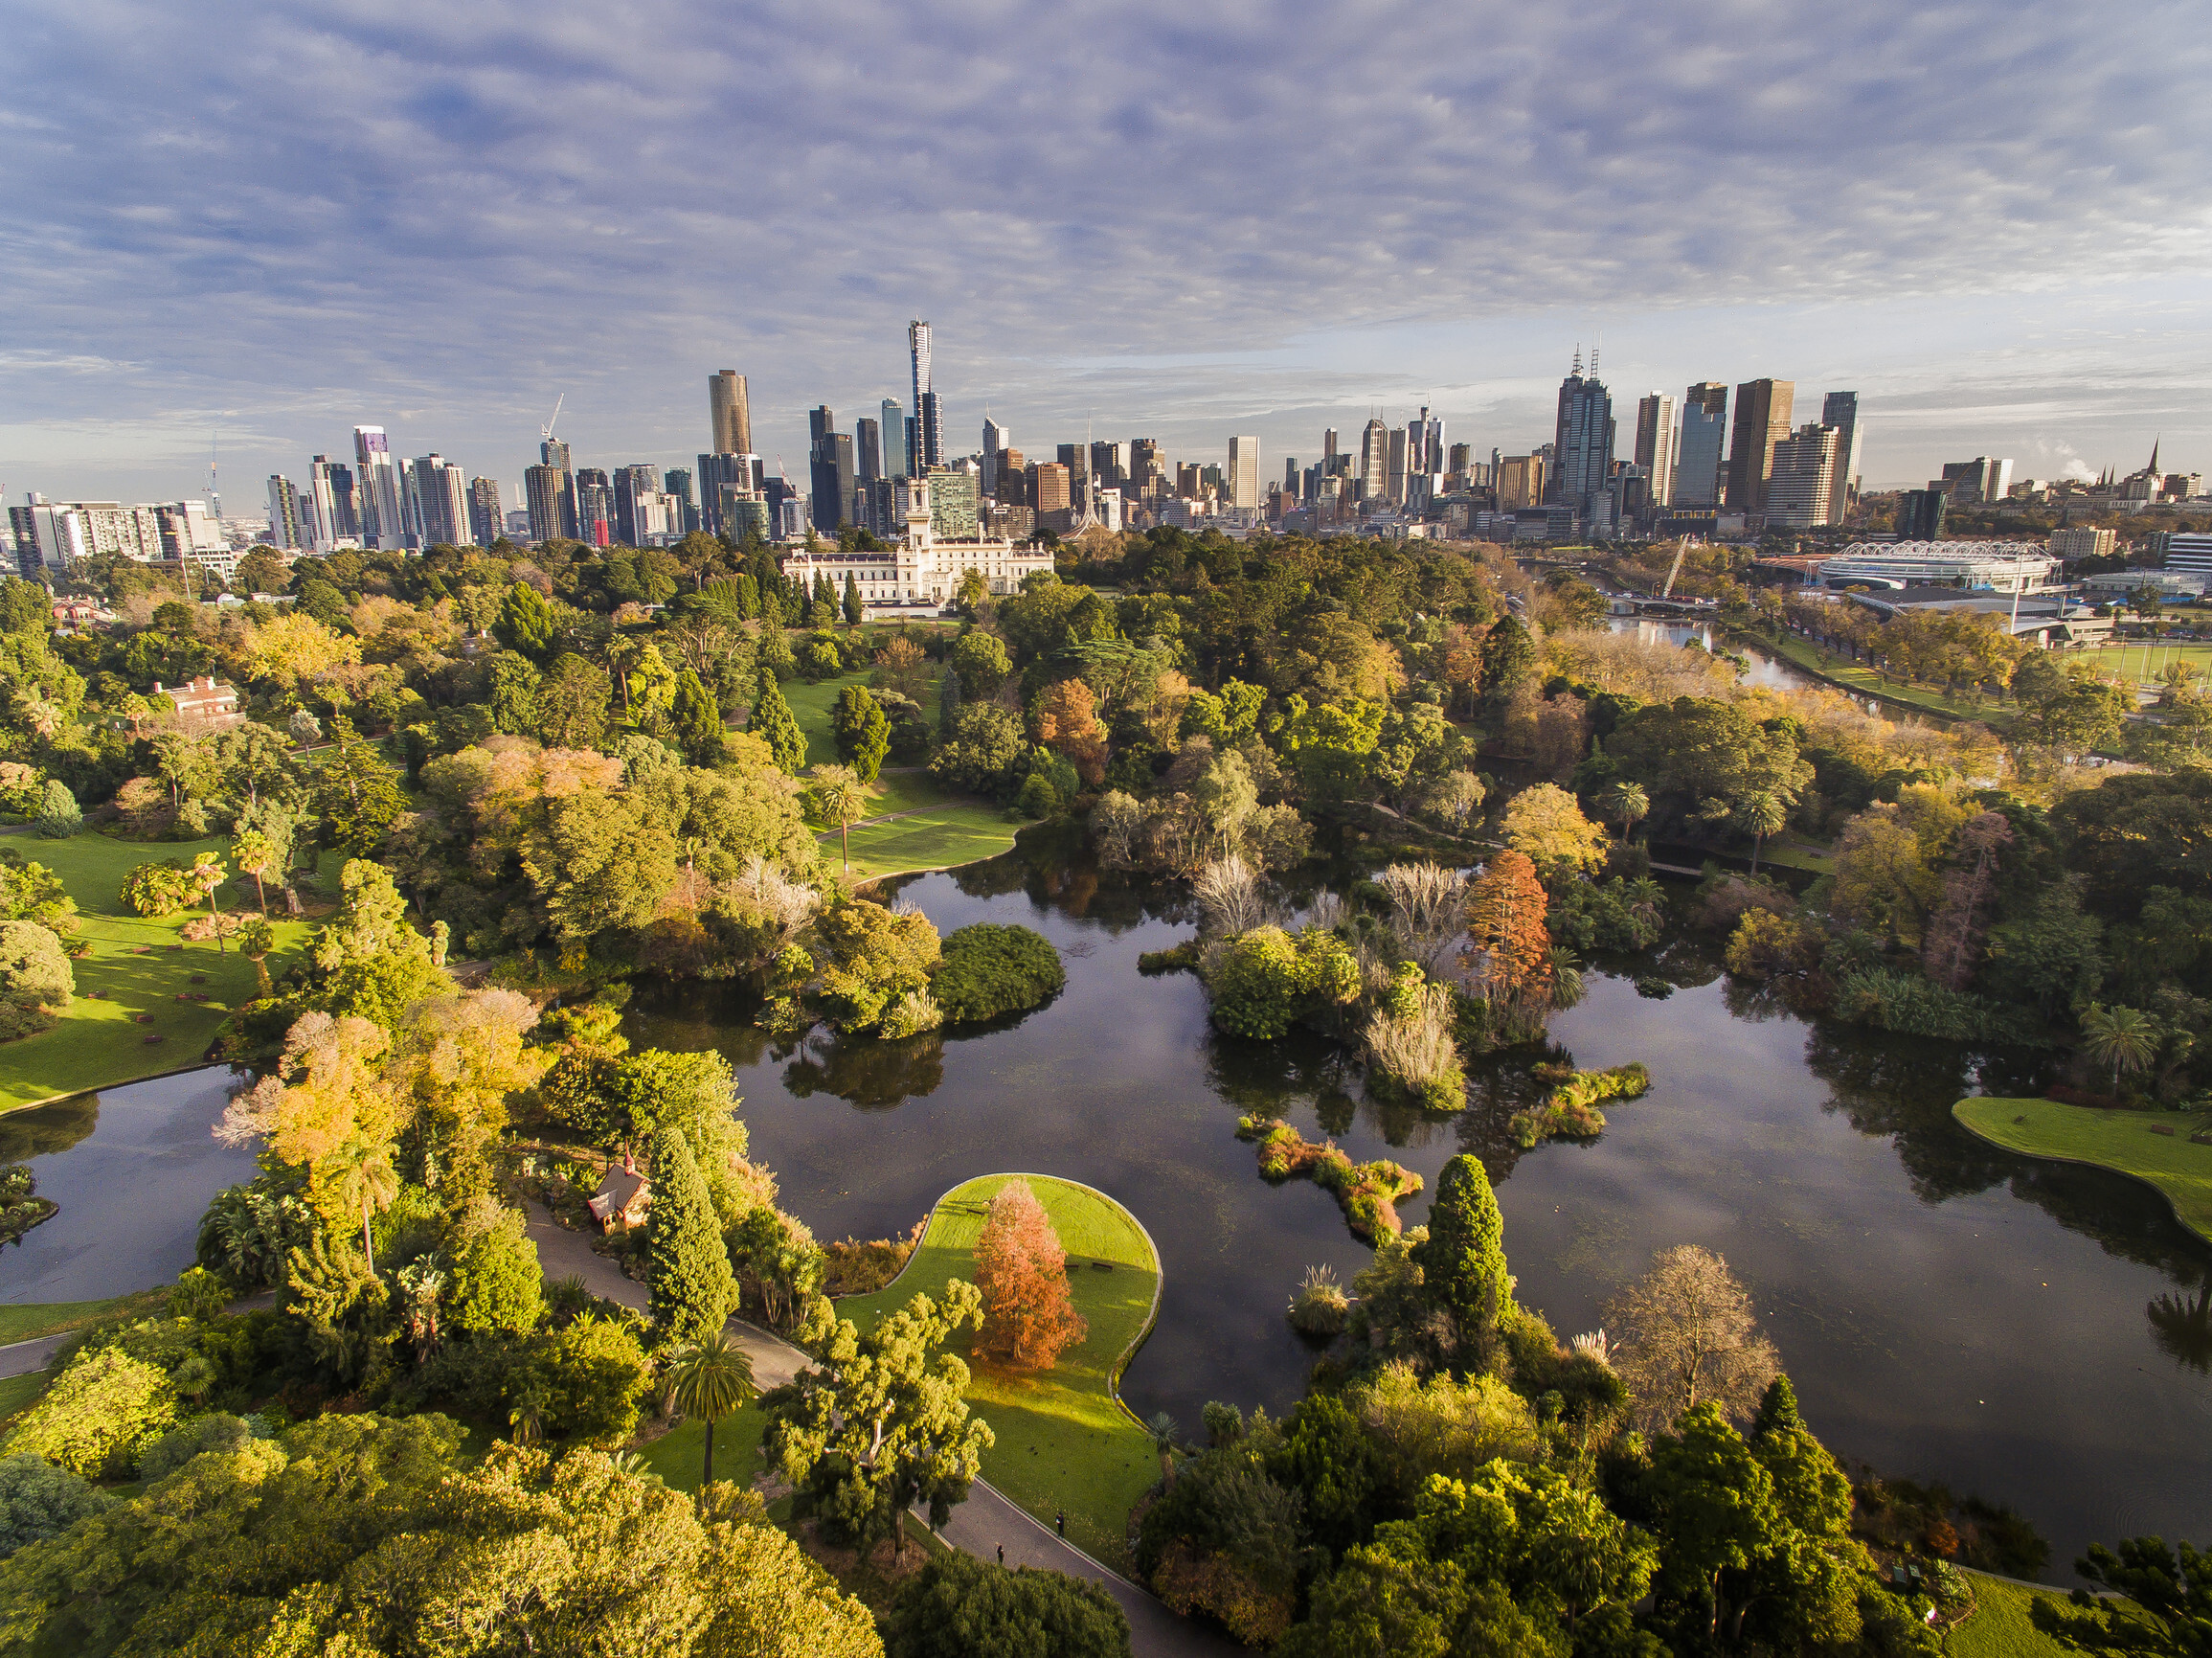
925,437
1582,443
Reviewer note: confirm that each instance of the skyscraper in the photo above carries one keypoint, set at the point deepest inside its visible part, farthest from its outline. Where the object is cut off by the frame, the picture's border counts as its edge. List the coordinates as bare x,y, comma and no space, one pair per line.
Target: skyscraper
1655,444
1763,409
676,484
1147,470
285,528
1329,444
832,480
1798,479
1109,469
1582,443
1841,410
1396,487
546,492
383,522
925,442
330,496
1375,462
1244,473
996,437
731,413
554,452
442,495
867,449
487,515
1920,515
632,483
595,506
1703,442
895,442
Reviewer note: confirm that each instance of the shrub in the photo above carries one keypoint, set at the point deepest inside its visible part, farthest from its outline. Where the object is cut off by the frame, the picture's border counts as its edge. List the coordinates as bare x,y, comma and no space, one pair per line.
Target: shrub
1408,1042
1266,981
496,1282
156,890
38,1500
36,982
178,1447
1569,1111
96,1419
1321,1307
587,1380
58,814
957,1606
1768,945
989,969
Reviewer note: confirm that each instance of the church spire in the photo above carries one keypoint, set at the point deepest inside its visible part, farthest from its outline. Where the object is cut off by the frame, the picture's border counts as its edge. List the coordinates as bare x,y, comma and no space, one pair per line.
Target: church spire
2153,469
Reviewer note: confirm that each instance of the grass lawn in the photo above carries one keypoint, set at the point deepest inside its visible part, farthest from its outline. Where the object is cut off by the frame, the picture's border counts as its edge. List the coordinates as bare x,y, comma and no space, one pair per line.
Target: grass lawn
679,1454
33,1320
1858,677
98,1044
2141,661
938,837
2000,1628
2121,1140
1063,1443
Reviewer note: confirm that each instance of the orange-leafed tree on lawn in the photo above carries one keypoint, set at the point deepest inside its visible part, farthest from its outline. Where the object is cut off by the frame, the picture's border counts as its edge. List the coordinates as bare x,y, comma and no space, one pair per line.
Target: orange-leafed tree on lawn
1021,1270
1509,945
1068,722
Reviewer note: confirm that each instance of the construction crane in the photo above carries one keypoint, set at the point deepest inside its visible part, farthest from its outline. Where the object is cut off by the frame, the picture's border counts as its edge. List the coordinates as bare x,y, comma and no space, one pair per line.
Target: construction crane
1681,547
545,431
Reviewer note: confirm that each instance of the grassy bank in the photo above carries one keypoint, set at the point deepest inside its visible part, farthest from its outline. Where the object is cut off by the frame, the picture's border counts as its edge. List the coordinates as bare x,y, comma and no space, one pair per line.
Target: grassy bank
1856,677
136,966
32,1320
2126,1141
1064,1443
2000,1628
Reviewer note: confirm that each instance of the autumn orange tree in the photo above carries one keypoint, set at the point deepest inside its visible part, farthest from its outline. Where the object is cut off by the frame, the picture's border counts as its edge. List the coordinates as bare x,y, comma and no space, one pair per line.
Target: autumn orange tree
1068,724
1509,947
1021,1270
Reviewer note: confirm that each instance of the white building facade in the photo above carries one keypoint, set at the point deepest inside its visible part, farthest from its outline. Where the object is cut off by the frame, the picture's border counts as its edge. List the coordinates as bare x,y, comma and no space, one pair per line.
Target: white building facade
924,571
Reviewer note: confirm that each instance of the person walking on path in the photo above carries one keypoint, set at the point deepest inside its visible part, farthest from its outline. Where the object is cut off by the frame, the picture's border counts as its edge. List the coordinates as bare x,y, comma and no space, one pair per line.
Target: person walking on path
1002,1554
1060,1521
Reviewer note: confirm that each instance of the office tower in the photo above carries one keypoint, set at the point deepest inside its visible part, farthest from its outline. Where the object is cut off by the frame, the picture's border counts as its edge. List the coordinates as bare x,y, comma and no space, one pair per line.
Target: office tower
383,522
1581,466
1978,482
1654,446
832,480
595,506
925,442
441,493
785,505
1073,457
996,437
1698,456
821,421
1243,472
1461,457
953,504
1329,444
551,499
1147,468
487,516
1841,410
1920,515
676,484
1290,477
1798,480
1763,409
866,449
554,452
632,482
730,411
1519,480
330,500
1375,462
718,476
895,440
1395,485
1109,465
285,527
1053,485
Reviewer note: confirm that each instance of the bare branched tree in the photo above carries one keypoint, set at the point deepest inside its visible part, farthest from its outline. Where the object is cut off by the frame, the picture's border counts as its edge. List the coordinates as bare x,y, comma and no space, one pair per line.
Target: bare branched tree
1426,911
1230,897
1686,1334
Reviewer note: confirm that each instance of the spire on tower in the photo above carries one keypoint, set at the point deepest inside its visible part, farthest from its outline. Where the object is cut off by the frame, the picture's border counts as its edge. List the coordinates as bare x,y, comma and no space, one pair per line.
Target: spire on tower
2154,466
1575,373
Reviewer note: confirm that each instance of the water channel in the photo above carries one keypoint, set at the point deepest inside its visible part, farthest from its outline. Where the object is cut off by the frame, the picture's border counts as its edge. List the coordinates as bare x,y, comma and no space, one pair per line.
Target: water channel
2035,1333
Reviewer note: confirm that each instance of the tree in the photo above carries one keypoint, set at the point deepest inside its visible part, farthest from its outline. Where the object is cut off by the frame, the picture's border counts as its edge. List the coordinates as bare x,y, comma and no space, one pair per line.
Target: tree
958,1606
711,1378
1509,945
1715,1502
38,1500
1545,825
366,960
496,1284
1627,803
774,723
356,794
1067,721
35,981
2124,1036
984,755
97,1416
696,719
1759,814
1021,1270
1509,657
257,941
882,1426
877,957
360,1177
691,1291
1463,1260
853,610
861,733
59,815
1688,1338
2160,1602
979,660
256,854
528,624
837,798
571,703
515,682
325,1107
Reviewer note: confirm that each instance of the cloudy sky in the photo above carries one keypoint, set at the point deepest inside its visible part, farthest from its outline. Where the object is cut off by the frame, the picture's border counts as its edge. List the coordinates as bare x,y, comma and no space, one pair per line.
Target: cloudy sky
1182,220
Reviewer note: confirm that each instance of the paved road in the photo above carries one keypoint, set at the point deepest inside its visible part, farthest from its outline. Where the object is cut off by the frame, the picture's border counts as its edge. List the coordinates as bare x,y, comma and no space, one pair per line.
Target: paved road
980,1525
21,1358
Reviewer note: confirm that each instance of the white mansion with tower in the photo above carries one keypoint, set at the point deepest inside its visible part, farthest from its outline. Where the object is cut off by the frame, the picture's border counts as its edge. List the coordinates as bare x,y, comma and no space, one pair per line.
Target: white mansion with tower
924,571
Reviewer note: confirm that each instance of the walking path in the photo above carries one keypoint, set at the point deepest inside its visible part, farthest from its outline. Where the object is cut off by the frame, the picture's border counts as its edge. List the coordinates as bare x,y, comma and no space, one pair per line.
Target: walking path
981,1525
22,1357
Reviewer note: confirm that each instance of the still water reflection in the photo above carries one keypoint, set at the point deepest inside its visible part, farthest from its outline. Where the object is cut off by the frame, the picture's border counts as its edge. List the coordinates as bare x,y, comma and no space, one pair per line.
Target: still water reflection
133,1169
2034,1333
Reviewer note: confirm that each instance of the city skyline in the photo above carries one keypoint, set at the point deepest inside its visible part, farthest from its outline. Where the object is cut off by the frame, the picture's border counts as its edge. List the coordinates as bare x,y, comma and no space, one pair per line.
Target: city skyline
1964,216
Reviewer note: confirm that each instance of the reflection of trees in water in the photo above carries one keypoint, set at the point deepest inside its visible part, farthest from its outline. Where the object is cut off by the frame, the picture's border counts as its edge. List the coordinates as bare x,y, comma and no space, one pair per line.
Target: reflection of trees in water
1902,1088
2182,1328
1500,1085
42,1130
870,1073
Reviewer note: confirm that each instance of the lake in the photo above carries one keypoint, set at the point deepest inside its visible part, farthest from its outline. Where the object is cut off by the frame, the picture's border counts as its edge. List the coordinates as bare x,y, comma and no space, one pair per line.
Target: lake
1947,1310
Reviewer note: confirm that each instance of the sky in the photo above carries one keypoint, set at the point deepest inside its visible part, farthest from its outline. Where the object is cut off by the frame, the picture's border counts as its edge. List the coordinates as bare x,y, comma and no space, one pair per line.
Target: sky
253,227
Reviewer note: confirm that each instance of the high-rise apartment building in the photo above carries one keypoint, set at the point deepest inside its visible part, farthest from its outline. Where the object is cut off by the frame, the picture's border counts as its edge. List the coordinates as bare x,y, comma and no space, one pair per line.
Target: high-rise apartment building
1978,482
1802,471
1375,462
953,504
730,411
594,499
833,478
1841,410
441,494
925,442
1763,411
286,526
634,483
331,503
1519,480
487,515
377,482
866,449
1147,468
1053,494
1920,515
1243,472
549,495
1654,446
676,484
1395,488
895,442
1581,444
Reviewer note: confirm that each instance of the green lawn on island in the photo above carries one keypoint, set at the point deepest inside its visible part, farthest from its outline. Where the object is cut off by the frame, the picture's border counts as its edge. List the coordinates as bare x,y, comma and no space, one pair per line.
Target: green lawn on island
1857,676
138,966
2127,1141
1064,1443
2000,1628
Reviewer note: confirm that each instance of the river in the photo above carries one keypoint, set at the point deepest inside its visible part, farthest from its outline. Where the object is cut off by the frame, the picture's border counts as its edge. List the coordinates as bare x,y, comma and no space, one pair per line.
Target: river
1945,1311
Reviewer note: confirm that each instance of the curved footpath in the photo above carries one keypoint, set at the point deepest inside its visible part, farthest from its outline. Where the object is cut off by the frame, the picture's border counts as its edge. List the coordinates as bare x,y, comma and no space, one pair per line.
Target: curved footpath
980,1525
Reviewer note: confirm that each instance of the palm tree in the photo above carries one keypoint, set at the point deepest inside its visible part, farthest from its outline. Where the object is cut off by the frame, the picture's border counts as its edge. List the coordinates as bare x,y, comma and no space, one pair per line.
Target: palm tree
2124,1035
256,940
1762,813
1164,1428
1629,803
711,1378
1567,986
839,798
362,1172
257,854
